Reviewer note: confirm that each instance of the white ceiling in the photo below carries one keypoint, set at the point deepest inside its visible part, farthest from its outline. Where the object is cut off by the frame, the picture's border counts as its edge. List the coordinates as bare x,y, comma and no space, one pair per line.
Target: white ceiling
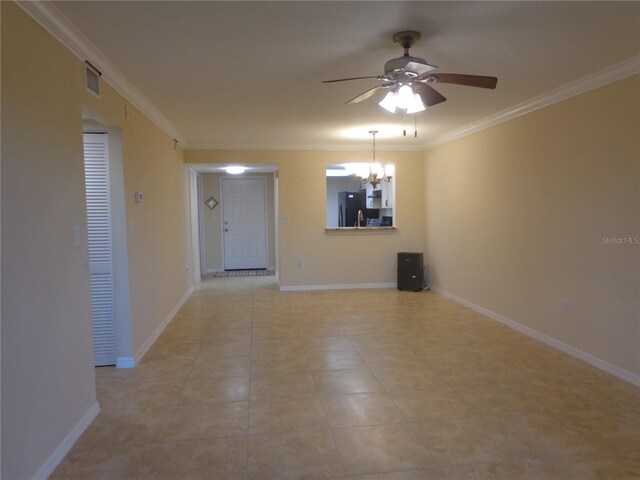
247,74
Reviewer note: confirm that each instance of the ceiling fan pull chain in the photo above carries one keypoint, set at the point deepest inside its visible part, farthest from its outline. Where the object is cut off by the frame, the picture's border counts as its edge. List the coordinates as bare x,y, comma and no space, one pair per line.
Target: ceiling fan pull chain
415,125
404,123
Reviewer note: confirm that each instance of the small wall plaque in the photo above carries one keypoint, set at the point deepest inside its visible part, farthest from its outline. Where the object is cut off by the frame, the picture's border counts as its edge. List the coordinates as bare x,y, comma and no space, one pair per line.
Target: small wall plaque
211,203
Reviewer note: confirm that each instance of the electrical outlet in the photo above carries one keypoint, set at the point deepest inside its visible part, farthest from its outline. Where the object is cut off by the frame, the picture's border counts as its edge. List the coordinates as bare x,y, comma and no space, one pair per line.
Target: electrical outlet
565,305
300,264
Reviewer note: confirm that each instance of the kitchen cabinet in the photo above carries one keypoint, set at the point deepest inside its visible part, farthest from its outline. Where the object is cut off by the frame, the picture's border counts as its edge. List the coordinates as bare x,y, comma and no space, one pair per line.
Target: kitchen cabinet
374,196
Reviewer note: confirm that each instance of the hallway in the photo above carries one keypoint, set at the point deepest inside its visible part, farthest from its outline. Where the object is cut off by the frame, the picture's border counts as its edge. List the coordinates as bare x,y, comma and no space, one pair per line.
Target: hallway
248,382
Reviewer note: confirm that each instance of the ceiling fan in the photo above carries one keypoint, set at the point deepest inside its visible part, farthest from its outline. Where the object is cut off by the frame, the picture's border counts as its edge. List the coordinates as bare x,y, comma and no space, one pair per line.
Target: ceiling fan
407,80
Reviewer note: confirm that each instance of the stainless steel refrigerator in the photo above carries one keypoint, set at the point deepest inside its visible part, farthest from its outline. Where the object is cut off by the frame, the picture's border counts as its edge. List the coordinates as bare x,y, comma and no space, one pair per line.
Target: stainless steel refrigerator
349,203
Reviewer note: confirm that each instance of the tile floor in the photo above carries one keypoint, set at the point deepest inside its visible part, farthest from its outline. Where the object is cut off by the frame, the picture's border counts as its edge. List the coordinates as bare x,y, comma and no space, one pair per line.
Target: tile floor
251,383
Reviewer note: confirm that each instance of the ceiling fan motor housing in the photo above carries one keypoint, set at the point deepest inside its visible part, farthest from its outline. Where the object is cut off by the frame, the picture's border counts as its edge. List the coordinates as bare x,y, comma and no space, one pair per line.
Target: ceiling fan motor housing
408,64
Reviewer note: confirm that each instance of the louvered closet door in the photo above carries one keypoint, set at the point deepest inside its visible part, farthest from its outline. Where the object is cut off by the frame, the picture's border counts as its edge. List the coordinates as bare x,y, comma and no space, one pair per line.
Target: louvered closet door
96,168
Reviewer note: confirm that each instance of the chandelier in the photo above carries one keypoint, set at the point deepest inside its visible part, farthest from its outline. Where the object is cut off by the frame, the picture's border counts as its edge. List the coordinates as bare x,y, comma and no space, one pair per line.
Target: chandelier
373,173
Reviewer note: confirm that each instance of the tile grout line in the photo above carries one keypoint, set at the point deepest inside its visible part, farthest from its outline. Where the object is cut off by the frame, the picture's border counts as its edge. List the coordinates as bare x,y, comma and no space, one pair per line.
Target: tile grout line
253,308
326,419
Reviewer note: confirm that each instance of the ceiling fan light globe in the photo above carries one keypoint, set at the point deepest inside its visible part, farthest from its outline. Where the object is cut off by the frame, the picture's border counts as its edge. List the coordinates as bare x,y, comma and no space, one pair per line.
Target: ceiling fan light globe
389,102
416,105
404,98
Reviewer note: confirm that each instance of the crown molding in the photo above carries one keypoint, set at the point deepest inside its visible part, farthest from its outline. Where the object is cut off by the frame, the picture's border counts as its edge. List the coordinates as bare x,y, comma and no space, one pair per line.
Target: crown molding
601,78
54,22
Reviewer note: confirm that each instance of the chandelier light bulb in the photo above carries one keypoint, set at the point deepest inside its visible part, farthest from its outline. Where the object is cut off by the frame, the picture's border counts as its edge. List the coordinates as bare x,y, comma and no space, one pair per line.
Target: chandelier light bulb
389,171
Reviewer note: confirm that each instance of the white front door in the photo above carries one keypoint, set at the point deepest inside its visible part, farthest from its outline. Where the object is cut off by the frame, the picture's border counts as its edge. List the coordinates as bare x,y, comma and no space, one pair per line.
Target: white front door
96,170
244,223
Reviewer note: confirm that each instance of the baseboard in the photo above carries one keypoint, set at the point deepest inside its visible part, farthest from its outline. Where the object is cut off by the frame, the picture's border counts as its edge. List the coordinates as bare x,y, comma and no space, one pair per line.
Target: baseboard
125,362
219,270
154,336
63,448
546,339
346,286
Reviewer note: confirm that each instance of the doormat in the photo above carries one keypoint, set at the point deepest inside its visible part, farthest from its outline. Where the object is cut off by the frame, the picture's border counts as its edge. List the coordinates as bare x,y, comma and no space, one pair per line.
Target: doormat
244,273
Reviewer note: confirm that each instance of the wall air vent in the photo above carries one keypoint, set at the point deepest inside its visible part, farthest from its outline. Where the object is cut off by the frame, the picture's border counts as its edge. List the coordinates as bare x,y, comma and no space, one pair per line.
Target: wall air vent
92,79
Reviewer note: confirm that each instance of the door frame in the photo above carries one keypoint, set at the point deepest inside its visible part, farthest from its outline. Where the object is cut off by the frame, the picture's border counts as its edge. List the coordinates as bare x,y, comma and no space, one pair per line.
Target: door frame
266,215
202,243
120,257
195,224
273,224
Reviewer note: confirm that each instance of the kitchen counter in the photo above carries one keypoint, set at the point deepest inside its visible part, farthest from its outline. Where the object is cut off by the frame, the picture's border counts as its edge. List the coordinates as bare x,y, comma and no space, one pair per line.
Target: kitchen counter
360,230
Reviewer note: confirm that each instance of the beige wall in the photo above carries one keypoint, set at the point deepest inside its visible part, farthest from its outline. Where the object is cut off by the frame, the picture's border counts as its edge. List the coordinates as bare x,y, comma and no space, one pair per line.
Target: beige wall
516,216
48,381
212,221
333,258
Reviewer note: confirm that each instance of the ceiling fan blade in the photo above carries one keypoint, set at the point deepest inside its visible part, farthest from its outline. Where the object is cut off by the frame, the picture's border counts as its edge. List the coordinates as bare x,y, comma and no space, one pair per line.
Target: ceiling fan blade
347,79
368,93
467,80
428,94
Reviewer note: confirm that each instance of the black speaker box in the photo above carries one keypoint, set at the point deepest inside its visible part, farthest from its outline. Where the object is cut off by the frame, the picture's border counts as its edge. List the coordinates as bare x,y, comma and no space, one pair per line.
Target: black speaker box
410,271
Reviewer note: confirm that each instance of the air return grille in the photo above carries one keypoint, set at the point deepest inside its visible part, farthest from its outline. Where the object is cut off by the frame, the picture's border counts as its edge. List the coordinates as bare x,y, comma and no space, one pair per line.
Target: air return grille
92,79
